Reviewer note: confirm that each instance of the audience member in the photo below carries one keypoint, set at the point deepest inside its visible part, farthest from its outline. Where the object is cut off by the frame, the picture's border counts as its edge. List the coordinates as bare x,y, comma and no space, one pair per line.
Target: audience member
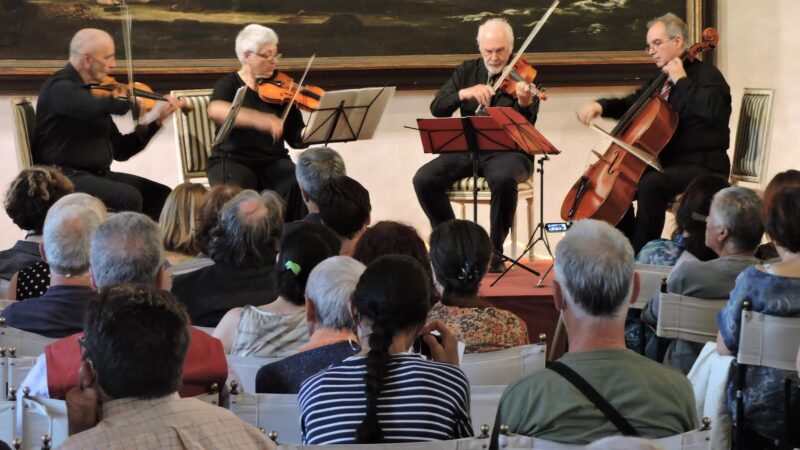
243,246
132,359
330,326
211,204
178,222
27,200
787,178
315,167
594,283
689,235
773,289
733,231
67,235
344,207
419,400
460,255
394,238
126,248
279,328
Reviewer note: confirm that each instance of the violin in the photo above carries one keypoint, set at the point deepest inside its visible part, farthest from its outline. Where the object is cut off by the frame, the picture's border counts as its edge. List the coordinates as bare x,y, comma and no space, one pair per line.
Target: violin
108,86
281,88
522,71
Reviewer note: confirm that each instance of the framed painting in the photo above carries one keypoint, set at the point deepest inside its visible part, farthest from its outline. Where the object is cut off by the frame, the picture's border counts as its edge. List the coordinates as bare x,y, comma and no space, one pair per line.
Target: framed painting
188,37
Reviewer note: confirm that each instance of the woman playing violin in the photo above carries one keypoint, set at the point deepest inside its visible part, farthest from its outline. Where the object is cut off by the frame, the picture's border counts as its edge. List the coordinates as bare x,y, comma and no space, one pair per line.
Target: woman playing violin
75,132
254,155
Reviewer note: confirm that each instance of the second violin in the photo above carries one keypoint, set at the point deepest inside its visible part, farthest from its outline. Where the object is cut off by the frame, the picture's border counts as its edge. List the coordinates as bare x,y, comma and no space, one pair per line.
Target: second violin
280,88
145,95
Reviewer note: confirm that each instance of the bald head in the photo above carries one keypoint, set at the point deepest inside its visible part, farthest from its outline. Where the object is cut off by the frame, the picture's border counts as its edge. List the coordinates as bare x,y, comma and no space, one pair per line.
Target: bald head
91,53
88,40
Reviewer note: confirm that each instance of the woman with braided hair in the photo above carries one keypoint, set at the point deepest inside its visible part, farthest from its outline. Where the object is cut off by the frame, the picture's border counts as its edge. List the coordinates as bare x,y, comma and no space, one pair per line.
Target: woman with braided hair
460,254
408,399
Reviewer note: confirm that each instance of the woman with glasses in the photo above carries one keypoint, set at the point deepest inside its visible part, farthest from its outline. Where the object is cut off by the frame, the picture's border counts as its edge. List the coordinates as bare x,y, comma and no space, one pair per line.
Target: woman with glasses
254,155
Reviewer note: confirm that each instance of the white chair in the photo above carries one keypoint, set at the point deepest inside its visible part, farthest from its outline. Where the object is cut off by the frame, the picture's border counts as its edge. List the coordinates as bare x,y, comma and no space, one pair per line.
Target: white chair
504,366
8,420
699,439
650,278
688,318
194,133
483,404
243,369
25,343
17,369
272,412
768,341
43,416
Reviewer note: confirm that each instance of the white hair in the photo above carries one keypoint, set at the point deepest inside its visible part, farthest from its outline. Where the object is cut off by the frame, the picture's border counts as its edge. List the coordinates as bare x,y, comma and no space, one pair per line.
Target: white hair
330,287
739,210
252,38
594,266
496,22
67,233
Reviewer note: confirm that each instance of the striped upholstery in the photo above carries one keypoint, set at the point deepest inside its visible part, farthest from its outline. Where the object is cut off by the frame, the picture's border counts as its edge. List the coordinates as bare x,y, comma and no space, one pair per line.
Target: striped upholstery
25,126
461,193
194,133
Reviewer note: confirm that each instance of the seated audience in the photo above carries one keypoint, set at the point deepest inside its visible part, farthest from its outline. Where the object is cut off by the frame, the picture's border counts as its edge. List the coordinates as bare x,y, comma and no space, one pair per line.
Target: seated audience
132,361
773,289
733,231
178,222
126,248
787,178
394,238
315,167
243,246
67,235
419,400
594,284
344,207
279,328
27,200
210,206
328,290
689,234
460,255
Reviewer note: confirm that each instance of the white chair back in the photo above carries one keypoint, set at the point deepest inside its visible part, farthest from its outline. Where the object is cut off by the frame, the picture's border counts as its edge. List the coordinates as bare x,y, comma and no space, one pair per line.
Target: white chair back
272,412
194,133
23,342
244,369
699,439
689,318
8,420
43,416
504,366
650,278
16,369
769,341
511,443
484,401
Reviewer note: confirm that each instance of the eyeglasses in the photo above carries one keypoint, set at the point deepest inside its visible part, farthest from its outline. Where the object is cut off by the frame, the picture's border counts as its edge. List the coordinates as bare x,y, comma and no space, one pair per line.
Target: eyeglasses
272,56
657,43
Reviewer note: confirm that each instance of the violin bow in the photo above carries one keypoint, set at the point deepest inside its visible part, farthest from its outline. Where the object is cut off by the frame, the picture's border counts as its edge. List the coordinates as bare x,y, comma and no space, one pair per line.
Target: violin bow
645,157
127,21
297,91
523,47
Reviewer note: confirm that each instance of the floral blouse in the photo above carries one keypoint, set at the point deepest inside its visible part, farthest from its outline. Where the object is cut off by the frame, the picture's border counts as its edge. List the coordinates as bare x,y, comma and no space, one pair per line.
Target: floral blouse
662,252
482,329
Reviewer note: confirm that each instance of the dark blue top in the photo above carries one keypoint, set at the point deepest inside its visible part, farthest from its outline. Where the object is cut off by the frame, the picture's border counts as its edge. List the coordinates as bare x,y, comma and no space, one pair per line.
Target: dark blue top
286,376
21,255
56,314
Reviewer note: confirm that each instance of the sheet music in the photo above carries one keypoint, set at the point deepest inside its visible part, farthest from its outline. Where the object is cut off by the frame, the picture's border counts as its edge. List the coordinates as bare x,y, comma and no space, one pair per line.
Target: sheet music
230,119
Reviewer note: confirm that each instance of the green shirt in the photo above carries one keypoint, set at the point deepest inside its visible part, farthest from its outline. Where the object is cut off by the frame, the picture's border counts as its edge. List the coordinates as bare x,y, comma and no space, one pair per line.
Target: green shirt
656,400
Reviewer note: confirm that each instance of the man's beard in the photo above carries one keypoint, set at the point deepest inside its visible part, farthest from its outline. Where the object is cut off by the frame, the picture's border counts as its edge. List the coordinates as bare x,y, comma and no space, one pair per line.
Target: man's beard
493,70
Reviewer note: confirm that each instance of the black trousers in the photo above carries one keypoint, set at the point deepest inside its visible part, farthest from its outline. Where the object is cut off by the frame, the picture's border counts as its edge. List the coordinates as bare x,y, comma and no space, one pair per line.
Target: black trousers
277,176
658,189
503,171
121,191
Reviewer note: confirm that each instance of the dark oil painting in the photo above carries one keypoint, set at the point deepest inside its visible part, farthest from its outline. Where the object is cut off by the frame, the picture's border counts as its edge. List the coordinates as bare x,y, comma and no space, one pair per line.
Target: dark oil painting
186,30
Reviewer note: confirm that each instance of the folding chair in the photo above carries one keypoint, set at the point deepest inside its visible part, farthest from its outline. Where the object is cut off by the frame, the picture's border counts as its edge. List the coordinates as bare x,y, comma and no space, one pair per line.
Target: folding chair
503,366
688,318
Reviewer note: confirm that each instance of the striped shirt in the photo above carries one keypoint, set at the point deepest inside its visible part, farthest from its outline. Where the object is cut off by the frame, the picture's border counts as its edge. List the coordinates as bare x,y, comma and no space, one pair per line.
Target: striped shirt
420,401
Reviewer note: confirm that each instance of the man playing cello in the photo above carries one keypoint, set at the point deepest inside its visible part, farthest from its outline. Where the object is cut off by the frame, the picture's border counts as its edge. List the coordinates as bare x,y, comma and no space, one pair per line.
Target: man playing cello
698,93
469,86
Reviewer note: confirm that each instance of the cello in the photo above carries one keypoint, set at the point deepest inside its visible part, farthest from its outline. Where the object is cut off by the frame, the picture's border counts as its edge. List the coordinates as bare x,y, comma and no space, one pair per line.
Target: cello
607,188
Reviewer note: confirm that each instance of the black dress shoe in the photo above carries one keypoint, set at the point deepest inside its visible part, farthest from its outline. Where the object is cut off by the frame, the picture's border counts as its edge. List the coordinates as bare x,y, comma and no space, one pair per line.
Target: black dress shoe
496,265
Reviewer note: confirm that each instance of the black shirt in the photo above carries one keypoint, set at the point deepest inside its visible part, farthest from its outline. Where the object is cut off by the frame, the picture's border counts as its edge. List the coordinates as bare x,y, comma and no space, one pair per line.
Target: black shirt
56,314
21,255
702,101
287,375
468,74
74,128
249,145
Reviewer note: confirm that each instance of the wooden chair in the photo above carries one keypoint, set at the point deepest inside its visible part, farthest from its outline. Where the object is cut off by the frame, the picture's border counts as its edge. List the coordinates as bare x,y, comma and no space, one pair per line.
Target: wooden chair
194,134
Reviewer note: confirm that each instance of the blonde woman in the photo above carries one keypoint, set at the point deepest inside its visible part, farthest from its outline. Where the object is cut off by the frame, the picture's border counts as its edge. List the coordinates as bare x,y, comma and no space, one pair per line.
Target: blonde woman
178,222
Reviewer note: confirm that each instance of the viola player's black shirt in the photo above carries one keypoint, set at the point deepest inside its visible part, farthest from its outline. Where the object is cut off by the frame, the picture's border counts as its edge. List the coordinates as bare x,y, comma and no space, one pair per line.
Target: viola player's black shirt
248,145
703,102
74,128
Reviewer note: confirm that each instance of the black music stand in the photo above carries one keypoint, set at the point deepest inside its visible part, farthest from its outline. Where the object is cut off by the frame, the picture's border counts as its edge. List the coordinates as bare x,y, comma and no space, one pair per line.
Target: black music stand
347,115
504,130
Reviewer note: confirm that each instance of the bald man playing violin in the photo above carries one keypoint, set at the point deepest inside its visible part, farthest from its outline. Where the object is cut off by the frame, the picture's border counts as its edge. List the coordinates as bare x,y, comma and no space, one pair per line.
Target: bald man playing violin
76,134
700,96
470,86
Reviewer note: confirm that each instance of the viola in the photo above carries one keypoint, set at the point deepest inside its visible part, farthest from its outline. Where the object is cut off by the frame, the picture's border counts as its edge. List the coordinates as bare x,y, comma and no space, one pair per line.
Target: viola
607,188
522,71
147,98
281,88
